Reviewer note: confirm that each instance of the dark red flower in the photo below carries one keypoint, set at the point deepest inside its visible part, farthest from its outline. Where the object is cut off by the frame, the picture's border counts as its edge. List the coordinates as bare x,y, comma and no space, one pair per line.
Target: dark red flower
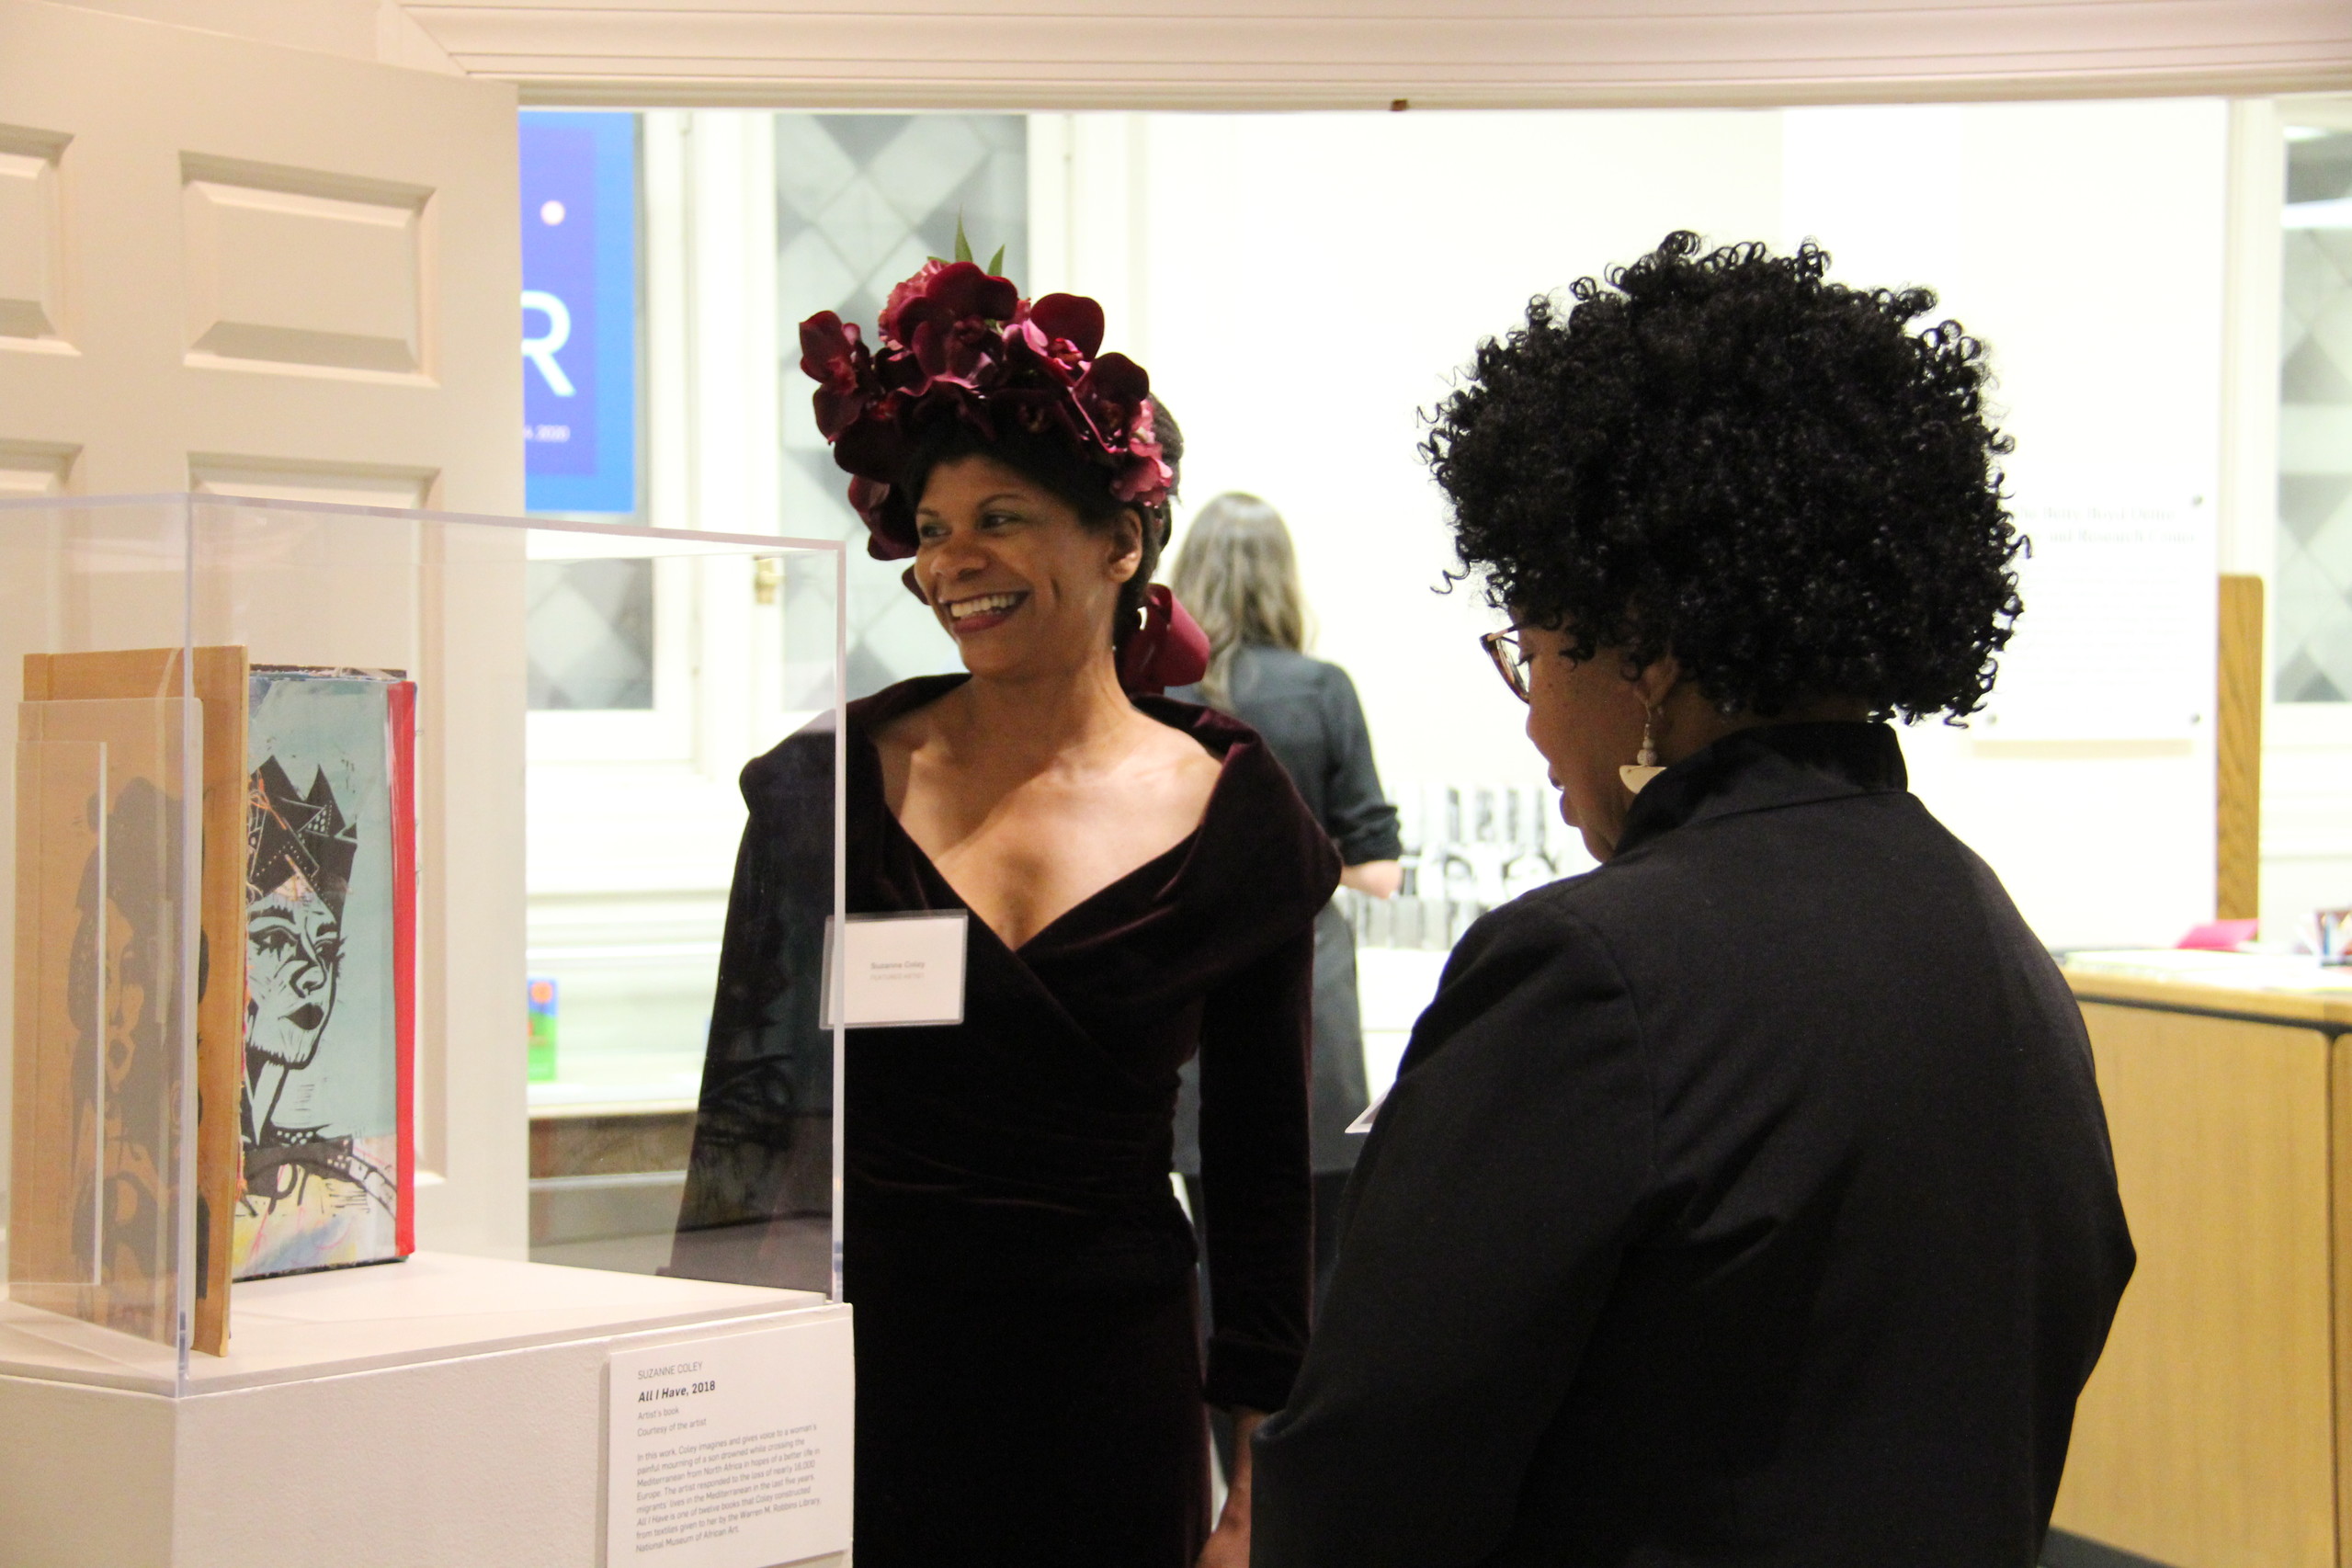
897,371
957,349
960,344
1073,318
962,288
1113,398
874,447
1145,475
906,293
1111,393
1053,361
888,535
843,369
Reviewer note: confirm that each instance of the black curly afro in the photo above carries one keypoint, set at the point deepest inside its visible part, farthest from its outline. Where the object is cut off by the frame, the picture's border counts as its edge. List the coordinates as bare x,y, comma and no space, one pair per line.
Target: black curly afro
1727,456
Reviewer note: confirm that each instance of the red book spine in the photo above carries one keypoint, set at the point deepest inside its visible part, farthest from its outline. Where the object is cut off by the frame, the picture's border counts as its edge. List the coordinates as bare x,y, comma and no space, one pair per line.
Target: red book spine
403,849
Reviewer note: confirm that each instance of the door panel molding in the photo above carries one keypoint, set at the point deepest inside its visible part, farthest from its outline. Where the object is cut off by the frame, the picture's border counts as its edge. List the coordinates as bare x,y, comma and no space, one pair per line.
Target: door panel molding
301,268
279,272
32,239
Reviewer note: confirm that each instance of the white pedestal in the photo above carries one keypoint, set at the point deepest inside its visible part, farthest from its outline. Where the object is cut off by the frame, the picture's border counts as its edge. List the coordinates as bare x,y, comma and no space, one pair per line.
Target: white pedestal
446,1412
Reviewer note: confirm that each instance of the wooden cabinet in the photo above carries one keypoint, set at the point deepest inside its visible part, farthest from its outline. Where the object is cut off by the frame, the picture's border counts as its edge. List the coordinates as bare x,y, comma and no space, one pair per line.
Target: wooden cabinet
2214,1432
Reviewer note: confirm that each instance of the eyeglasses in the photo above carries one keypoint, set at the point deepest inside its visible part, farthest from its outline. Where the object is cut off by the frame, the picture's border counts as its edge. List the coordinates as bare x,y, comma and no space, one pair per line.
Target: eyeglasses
1511,660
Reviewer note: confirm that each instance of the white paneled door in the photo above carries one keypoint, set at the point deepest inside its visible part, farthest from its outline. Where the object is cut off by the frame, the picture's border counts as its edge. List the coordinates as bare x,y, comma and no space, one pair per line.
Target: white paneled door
227,265
237,268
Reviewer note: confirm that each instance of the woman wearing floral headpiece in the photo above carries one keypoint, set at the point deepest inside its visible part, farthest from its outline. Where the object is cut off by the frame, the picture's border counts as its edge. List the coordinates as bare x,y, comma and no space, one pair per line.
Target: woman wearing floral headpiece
1141,883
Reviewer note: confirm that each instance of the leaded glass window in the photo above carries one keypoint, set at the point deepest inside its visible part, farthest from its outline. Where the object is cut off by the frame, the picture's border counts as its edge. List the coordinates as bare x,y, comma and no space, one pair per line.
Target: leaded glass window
861,200
2315,572
590,630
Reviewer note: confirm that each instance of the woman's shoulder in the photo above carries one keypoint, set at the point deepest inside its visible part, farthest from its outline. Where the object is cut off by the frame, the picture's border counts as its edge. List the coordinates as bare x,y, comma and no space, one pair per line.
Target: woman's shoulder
1258,833
1215,731
869,716
812,745
803,759
1251,782
1197,757
788,770
1278,671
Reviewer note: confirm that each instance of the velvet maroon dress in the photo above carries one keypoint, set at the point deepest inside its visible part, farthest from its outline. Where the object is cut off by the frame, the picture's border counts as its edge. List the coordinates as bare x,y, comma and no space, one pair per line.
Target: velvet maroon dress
1030,1385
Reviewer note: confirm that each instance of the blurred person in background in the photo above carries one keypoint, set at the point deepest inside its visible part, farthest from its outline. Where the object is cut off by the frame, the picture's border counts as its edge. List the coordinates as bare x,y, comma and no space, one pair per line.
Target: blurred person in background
1746,1200
1238,575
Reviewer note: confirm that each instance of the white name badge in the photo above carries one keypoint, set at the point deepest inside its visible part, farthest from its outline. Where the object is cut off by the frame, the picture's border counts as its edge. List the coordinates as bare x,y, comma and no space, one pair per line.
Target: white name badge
1364,1122
899,970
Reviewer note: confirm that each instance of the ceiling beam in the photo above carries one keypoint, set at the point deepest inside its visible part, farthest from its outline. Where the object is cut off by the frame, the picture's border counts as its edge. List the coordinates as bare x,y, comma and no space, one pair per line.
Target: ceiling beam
1223,54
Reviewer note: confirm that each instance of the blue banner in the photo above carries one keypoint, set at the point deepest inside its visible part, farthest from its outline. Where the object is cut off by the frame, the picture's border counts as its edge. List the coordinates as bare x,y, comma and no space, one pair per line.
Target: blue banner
579,184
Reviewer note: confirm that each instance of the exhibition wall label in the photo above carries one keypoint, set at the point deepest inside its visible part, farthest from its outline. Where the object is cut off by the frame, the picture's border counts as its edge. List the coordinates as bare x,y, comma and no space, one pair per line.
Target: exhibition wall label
731,1452
579,309
2117,640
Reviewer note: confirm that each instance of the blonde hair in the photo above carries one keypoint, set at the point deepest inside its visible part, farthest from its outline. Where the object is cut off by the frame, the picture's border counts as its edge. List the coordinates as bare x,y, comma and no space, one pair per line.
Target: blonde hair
1239,576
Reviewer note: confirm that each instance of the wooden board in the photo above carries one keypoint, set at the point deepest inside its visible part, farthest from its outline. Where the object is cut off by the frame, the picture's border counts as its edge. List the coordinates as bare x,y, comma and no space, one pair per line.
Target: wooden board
2326,1011
2340,1177
2237,797
219,686
2207,1435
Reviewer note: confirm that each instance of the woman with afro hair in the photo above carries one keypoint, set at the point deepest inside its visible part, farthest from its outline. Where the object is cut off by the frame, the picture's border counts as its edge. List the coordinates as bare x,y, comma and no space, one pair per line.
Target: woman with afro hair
1746,1200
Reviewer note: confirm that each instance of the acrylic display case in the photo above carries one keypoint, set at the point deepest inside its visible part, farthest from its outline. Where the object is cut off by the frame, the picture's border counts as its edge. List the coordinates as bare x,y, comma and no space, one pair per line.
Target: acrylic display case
329,830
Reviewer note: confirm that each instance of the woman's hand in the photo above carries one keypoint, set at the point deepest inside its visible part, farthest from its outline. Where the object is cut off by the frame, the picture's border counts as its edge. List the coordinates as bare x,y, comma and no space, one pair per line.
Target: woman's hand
1228,1546
1379,878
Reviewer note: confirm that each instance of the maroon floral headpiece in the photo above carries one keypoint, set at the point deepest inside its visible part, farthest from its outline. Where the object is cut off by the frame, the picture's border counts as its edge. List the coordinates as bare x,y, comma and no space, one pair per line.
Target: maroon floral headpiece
958,342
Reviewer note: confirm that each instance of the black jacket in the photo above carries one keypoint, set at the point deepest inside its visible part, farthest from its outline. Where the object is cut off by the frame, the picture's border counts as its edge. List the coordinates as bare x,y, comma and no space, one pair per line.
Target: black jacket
1746,1200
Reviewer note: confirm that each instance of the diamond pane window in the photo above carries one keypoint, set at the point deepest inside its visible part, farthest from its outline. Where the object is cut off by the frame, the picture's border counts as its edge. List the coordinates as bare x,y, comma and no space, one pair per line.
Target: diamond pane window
590,634
2315,576
861,200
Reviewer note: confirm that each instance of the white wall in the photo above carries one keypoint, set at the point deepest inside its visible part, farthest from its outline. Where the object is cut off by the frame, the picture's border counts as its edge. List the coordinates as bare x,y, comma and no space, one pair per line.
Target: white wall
1314,280
2084,244
1301,286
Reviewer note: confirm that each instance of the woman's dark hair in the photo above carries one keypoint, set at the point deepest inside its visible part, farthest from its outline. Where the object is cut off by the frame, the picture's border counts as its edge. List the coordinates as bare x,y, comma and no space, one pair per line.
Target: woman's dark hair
1056,464
1729,458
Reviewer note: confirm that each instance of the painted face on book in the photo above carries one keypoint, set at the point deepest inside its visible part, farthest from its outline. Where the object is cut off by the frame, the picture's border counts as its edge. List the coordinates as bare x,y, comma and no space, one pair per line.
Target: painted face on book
1585,716
1014,573
294,948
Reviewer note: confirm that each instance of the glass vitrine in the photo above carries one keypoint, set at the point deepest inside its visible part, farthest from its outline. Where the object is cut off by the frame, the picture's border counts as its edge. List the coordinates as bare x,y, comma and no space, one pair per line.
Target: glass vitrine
370,876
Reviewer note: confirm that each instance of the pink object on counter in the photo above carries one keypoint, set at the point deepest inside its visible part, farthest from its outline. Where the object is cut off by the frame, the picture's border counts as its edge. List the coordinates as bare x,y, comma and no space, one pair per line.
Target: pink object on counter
2221,936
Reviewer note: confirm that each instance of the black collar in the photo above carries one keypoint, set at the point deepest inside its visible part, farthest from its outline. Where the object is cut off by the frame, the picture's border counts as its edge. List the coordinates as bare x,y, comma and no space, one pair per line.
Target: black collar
1760,768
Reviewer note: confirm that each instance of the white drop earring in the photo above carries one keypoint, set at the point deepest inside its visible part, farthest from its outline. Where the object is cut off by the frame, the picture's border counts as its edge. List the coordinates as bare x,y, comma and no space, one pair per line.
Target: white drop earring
1637,774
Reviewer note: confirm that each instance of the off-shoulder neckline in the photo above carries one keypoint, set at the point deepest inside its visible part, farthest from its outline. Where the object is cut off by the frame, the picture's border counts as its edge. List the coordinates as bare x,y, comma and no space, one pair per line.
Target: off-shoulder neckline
880,708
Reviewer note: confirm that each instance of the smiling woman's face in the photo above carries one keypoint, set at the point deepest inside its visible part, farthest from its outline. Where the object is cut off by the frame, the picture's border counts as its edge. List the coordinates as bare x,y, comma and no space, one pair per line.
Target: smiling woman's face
1013,574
